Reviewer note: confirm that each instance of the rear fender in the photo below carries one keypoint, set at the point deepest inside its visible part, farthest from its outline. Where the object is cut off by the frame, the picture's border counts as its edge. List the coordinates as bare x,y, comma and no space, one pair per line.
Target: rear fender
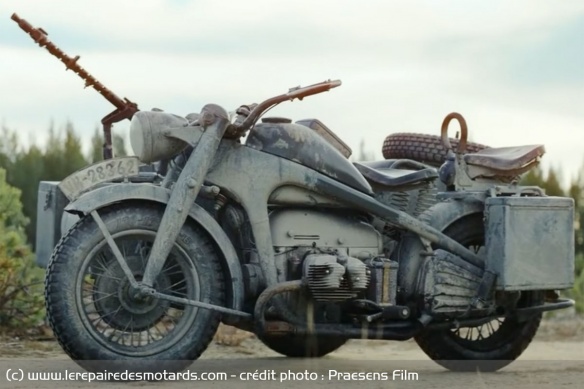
118,193
410,250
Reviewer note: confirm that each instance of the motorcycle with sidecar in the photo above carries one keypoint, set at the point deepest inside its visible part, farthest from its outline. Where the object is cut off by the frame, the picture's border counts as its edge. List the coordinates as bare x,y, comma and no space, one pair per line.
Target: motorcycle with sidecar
269,227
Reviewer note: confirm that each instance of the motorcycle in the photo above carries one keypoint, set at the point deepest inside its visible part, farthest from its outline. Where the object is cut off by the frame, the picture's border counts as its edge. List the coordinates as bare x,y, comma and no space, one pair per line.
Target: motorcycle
281,235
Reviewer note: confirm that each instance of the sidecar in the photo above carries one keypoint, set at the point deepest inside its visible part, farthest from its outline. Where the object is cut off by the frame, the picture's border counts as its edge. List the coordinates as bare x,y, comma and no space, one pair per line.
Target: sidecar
53,221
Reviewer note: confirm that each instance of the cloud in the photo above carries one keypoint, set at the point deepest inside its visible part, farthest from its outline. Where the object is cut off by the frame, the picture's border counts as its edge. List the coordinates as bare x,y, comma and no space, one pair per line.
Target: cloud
514,69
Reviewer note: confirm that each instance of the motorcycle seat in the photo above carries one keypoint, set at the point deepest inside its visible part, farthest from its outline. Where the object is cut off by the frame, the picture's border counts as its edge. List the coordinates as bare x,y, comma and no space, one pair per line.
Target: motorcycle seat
383,174
505,158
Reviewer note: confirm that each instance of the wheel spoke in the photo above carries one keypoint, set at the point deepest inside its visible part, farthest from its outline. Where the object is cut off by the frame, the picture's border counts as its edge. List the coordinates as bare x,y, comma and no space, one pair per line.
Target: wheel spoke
101,298
491,328
166,269
132,331
173,285
115,315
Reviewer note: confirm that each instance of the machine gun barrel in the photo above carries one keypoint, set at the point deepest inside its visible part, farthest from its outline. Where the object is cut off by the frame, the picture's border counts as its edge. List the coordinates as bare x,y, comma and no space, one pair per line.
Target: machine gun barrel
125,109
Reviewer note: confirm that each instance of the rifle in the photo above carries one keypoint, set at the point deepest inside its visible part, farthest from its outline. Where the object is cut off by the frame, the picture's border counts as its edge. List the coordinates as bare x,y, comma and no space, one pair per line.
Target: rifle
125,109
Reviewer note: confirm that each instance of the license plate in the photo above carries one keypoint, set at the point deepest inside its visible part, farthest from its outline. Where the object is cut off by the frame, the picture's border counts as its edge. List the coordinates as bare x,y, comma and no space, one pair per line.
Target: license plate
112,169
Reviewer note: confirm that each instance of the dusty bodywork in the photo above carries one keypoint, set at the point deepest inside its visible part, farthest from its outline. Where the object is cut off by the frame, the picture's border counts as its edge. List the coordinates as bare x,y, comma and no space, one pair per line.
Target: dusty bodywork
282,235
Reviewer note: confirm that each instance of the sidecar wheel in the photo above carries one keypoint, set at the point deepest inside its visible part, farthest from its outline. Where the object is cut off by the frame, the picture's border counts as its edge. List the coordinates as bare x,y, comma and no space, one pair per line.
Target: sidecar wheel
488,347
303,347
468,349
98,320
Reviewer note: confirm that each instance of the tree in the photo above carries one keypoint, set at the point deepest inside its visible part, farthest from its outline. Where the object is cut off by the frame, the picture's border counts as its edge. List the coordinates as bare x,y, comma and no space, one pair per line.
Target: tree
21,299
549,182
73,158
25,174
119,146
576,190
96,151
61,156
97,142
364,155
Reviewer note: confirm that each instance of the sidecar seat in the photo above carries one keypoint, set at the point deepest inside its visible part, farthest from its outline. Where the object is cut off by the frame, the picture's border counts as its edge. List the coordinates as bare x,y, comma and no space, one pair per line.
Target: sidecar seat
506,161
391,173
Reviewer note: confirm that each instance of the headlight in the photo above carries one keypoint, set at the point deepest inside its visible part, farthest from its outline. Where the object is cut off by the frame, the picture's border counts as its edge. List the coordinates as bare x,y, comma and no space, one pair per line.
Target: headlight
147,135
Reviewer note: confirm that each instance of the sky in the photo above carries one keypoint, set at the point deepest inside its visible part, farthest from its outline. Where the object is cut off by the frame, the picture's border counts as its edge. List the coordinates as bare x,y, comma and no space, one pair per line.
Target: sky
513,69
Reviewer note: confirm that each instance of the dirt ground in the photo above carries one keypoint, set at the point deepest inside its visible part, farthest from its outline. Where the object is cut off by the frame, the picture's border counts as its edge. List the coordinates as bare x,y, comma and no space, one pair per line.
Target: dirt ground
554,359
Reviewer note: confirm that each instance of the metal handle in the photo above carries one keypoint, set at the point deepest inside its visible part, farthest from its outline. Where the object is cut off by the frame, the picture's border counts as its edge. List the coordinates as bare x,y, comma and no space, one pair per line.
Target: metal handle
463,132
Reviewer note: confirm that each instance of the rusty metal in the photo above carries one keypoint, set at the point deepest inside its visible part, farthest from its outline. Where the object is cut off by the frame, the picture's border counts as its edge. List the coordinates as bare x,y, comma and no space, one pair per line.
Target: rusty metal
463,134
125,108
279,328
248,120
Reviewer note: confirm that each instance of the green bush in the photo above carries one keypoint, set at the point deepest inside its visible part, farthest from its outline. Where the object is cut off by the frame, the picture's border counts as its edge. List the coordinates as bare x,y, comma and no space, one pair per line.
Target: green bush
577,292
21,299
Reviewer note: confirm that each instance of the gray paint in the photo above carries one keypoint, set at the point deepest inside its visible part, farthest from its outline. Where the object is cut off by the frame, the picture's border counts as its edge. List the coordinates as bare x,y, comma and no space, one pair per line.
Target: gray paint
265,170
303,145
250,176
530,244
410,253
112,194
214,120
148,135
308,227
50,204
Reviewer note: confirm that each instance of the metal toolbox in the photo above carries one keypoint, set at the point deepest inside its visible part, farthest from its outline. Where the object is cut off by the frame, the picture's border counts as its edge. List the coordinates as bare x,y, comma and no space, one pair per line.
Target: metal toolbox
530,242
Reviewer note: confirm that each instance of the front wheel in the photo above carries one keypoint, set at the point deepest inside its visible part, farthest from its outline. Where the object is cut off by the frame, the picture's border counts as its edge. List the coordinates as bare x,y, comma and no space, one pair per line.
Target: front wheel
96,317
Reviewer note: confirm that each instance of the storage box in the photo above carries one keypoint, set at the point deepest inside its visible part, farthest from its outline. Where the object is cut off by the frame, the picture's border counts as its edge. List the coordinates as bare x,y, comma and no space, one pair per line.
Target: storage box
530,242
50,205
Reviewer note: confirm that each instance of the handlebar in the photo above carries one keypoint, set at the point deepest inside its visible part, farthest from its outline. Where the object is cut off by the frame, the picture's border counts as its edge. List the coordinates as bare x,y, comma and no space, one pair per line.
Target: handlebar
248,115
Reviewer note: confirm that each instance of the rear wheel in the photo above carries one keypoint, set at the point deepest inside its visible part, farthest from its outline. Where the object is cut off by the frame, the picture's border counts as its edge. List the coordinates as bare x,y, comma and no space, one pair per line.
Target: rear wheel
95,315
487,347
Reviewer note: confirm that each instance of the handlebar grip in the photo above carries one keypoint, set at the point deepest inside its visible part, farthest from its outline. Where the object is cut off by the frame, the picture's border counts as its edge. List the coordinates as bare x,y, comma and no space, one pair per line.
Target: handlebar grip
310,90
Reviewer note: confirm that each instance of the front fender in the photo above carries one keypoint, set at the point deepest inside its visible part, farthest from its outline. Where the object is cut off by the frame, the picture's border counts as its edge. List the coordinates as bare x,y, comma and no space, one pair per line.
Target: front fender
117,193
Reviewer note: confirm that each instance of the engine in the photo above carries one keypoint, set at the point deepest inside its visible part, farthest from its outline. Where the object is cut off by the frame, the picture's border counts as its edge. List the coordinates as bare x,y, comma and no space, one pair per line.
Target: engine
335,277
338,255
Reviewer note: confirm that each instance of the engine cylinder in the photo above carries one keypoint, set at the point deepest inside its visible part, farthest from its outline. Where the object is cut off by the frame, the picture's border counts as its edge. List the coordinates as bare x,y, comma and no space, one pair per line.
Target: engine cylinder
335,277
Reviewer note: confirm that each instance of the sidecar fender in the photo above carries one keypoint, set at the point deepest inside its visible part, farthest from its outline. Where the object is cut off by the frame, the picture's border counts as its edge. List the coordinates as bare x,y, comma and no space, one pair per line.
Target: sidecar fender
118,193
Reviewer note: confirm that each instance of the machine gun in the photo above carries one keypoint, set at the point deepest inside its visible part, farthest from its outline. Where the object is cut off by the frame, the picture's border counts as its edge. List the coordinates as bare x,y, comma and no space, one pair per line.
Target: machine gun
125,109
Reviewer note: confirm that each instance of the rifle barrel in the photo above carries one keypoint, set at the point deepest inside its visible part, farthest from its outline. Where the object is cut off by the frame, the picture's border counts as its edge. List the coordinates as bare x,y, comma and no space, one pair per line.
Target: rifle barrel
40,37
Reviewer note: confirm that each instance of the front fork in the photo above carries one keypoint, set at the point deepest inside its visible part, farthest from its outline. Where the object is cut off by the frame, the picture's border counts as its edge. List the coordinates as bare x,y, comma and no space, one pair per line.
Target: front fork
215,120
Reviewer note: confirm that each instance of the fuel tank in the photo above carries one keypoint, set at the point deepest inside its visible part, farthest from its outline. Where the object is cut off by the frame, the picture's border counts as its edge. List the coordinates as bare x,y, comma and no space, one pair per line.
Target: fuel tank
303,145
